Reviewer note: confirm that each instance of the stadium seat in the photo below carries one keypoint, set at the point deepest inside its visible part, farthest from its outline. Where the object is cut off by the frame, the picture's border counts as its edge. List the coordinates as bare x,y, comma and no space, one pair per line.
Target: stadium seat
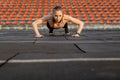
9,19
8,23
29,22
22,22
108,22
92,11
87,22
15,22
115,22
101,22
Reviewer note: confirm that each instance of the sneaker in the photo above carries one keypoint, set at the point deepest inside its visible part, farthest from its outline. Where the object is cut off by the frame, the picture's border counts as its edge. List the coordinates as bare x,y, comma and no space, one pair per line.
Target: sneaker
51,34
67,34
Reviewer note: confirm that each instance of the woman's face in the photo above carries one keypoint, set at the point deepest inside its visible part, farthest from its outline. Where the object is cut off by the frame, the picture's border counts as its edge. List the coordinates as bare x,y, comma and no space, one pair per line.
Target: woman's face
57,14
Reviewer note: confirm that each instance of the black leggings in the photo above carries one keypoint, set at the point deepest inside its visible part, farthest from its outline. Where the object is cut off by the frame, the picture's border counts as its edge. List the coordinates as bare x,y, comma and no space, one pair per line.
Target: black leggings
51,29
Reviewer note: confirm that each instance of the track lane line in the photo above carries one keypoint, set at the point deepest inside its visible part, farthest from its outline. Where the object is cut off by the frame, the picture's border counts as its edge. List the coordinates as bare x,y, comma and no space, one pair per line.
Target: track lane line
60,41
60,60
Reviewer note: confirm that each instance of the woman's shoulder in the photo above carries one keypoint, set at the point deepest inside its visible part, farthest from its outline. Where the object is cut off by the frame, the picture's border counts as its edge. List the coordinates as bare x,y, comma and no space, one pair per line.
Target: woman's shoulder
67,17
46,17
49,15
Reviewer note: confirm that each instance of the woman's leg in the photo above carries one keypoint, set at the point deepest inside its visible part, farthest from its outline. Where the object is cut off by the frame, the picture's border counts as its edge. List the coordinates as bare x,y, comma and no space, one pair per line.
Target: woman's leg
66,28
50,29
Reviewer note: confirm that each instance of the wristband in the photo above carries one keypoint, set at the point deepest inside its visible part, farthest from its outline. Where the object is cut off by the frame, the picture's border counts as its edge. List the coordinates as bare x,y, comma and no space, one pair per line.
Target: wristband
78,34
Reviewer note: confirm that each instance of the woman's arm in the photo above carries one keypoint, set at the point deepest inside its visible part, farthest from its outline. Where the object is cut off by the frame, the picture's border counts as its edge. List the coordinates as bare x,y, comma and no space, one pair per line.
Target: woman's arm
39,21
76,21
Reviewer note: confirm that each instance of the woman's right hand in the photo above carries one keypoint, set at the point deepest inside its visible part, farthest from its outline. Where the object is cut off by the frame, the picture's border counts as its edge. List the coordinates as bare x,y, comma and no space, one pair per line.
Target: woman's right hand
39,36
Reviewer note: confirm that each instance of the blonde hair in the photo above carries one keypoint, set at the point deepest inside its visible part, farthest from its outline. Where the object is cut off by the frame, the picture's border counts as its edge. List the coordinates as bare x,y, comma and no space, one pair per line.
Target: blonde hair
56,8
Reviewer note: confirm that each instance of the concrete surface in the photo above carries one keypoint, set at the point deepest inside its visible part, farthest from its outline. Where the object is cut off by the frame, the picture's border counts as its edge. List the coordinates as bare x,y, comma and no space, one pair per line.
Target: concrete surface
93,56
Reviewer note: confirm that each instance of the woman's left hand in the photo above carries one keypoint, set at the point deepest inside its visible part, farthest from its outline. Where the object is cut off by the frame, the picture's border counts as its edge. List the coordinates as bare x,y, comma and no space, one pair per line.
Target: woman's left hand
75,35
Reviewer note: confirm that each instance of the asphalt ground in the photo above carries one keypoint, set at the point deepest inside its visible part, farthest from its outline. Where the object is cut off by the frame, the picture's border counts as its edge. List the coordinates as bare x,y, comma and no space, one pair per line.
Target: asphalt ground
93,56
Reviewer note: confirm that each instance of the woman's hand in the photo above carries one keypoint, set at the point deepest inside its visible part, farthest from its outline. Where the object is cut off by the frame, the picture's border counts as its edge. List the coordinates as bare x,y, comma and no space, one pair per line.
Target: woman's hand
76,35
39,36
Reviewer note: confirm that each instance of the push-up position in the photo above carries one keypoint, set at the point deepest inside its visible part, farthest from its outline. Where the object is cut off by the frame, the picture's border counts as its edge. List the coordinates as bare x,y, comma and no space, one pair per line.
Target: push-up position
57,20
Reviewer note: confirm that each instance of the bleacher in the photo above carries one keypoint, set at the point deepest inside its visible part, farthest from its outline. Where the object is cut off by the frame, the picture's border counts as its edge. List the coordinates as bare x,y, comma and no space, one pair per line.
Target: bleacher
14,12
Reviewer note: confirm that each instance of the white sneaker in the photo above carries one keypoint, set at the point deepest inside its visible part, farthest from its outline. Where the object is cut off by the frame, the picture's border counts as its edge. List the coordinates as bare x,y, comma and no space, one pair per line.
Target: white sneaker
67,34
51,34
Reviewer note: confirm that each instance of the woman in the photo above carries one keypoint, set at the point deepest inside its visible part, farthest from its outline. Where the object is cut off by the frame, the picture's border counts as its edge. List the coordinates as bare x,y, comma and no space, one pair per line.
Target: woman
58,20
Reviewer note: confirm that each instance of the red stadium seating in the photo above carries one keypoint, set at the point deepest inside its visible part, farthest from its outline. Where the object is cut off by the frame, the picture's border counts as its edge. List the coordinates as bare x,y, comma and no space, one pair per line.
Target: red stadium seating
90,11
